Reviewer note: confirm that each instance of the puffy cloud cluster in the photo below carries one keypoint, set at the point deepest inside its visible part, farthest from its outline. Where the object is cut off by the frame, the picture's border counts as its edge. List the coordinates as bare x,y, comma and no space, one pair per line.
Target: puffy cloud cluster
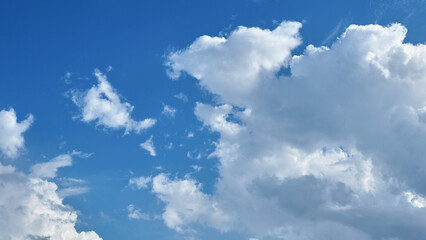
333,150
30,208
187,204
102,104
11,139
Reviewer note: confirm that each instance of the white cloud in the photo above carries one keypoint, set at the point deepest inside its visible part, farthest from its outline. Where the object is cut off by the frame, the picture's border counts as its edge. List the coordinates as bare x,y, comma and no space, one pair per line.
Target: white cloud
136,214
415,200
334,150
69,186
140,182
148,145
11,131
232,67
49,169
31,209
181,96
185,203
169,111
102,104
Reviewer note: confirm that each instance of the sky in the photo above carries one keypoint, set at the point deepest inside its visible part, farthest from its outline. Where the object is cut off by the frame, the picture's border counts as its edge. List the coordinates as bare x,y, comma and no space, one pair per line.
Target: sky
202,120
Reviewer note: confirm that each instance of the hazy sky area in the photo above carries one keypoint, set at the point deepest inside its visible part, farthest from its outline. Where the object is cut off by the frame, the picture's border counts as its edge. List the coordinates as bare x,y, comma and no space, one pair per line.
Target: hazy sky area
206,120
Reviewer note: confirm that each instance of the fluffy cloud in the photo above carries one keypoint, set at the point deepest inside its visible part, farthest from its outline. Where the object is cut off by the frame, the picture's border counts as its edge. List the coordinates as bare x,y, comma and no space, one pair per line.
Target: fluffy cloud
185,203
233,67
11,139
30,208
148,145
333,150
102,104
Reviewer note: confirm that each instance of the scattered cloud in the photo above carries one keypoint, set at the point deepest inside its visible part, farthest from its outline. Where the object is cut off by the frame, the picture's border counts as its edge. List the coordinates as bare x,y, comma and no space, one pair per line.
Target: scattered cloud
140,182
136,214
102,104
11,132
168,111
67,78
190,156
169,146
181,97
148,145
196,168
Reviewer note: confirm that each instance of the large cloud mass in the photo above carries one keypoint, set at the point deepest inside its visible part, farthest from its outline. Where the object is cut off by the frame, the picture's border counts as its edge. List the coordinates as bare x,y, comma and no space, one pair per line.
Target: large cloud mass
334,150
30,208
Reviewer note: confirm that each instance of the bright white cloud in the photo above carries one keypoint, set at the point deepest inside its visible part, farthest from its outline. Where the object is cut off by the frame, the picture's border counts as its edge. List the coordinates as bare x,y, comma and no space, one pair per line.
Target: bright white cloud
11,132
233,67
136,214
102,104
148,145
169,111
332,151
140,182
185,203
31,209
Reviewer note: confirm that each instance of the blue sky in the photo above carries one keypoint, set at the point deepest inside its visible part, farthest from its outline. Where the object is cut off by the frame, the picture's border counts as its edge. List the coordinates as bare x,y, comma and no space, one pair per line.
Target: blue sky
256,133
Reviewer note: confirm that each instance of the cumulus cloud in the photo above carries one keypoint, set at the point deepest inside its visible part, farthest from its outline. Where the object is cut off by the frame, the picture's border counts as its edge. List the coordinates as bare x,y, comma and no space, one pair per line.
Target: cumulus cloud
148,145
233,67
31,209
185,203
334,150
11,132
102,104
